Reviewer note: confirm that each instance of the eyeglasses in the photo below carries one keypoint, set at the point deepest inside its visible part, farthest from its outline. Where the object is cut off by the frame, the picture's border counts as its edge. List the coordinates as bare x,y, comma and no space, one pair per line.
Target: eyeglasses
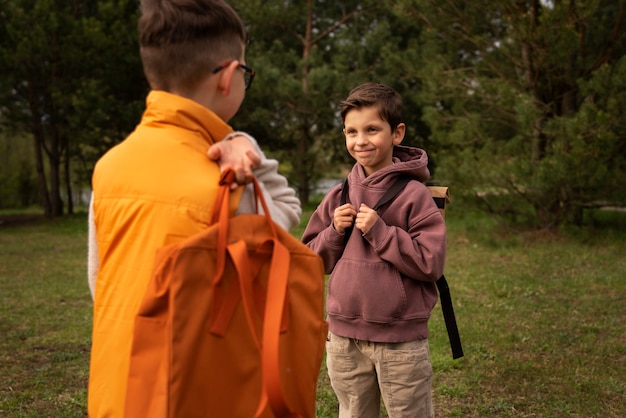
248,73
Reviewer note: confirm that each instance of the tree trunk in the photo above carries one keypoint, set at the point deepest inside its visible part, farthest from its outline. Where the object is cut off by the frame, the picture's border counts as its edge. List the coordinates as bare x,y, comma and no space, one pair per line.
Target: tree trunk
68,181
303,166
44,196
303,143
38,142
54,160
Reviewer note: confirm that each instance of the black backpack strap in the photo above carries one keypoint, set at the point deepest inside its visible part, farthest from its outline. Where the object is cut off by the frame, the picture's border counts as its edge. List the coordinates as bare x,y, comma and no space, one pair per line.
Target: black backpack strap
391,192
343,201
449,318
440,202
387,197
344,193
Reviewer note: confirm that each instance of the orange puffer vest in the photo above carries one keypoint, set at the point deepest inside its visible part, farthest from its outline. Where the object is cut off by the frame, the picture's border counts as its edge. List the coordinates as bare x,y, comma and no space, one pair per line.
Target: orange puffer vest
154,188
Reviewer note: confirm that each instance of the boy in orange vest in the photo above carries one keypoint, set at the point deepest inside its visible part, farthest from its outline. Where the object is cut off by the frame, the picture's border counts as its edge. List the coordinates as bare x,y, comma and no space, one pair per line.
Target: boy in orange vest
159,184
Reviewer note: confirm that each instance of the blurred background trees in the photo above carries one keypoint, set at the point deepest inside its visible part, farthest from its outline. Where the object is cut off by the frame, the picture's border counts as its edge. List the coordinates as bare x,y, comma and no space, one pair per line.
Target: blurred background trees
71,85
309,55
526,100
520,104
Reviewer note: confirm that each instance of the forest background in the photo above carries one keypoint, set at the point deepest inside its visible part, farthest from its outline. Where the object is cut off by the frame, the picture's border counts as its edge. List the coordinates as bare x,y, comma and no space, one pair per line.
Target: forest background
521,105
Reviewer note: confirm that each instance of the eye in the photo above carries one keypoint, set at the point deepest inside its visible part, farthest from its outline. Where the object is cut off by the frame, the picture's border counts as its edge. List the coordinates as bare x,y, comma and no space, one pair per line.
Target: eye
349,131
372,129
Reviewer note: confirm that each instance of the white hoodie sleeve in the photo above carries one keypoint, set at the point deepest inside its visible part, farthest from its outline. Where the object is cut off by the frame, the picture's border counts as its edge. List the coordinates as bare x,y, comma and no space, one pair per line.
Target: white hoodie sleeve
92,251
282,202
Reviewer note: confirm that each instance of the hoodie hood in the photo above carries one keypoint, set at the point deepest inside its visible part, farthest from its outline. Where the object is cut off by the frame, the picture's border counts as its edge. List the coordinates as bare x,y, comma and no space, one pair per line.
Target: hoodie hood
407,161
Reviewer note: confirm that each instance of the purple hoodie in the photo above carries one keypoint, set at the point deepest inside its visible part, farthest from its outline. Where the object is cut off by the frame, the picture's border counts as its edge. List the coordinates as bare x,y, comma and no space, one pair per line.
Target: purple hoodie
382,284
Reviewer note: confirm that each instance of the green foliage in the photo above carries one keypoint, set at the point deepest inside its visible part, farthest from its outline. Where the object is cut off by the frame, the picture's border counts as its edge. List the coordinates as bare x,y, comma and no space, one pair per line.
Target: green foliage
70,77
518,118
530,120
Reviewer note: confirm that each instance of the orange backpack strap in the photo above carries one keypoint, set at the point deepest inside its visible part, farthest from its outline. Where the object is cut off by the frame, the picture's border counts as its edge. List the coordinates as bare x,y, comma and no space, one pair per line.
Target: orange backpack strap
274,309
275,314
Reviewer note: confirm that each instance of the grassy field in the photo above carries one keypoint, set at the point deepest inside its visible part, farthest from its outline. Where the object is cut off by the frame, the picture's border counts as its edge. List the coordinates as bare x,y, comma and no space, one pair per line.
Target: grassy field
542,317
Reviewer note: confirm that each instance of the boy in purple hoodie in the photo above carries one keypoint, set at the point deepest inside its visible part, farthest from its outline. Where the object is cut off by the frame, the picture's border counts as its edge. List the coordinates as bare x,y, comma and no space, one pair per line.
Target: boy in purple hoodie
382,287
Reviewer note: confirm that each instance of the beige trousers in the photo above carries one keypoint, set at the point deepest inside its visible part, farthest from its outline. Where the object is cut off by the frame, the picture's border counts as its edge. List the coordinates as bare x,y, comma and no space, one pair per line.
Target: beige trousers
361,372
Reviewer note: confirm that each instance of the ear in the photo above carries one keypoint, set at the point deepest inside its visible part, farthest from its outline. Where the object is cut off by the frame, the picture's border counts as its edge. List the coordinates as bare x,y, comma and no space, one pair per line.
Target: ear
398,134
226,78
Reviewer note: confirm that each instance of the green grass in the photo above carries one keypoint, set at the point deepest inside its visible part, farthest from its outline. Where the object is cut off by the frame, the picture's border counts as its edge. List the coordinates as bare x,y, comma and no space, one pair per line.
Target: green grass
542,318
45,316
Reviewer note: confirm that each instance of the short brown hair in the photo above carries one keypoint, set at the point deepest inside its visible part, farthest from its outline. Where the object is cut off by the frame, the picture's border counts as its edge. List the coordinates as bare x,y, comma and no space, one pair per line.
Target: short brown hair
386,99
182,40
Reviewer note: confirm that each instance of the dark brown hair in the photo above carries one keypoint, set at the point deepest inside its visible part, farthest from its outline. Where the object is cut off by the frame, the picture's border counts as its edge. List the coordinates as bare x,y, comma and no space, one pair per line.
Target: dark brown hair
181,41
386,99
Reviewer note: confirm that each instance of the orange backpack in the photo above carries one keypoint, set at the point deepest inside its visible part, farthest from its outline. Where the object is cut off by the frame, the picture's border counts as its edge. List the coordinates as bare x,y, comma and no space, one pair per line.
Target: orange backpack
232,323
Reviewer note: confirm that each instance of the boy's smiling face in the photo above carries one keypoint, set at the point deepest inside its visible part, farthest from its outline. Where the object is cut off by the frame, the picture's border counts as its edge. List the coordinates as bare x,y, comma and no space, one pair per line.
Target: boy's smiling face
369,139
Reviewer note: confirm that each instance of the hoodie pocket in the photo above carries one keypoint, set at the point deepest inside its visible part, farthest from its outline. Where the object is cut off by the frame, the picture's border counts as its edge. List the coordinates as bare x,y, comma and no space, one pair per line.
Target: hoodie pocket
373,291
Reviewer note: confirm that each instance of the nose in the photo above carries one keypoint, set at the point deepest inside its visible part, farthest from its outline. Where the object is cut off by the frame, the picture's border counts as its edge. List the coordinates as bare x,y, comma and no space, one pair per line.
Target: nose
361,139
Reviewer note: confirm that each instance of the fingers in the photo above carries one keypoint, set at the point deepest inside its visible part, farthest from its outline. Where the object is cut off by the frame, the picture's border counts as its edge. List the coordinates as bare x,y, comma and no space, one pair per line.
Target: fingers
254,157
346,215
238,155
343,217
242,177
365,219
243,170
215,152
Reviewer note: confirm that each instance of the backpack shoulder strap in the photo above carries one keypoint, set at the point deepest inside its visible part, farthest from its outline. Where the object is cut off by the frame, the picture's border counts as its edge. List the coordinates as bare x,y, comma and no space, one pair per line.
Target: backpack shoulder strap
441,197
343,201
389,195
344,193
392,192
449,317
